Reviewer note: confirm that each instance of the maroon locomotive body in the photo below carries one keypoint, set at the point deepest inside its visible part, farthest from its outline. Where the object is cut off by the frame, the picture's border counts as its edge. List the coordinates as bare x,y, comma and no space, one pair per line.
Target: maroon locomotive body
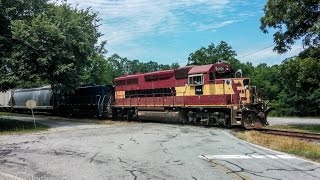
208,94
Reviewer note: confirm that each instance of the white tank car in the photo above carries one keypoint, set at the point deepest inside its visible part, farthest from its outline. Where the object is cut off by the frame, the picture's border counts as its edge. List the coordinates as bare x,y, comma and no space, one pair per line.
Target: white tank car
42,96
5,99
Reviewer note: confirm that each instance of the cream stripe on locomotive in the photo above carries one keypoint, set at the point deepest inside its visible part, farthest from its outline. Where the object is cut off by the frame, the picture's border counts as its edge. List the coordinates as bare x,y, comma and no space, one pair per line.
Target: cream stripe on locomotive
208,89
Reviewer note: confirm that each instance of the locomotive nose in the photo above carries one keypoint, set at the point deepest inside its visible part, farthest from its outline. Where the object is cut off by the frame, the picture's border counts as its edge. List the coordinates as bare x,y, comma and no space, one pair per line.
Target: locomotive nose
254,116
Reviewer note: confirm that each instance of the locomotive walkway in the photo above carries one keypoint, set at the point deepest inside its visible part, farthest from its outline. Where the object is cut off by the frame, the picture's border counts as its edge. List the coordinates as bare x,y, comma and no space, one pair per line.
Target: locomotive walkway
132,150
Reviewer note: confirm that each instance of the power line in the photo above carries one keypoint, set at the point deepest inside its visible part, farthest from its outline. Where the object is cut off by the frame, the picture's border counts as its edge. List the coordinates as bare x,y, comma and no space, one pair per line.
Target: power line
256,51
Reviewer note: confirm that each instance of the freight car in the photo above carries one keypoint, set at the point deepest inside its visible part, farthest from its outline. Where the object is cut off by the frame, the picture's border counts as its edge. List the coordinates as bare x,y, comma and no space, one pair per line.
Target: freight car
86,100
208,95
94,101
43,97
5,100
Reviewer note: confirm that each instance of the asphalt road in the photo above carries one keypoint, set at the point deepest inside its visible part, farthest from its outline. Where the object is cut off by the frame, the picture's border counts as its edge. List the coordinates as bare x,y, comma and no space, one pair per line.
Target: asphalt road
131,150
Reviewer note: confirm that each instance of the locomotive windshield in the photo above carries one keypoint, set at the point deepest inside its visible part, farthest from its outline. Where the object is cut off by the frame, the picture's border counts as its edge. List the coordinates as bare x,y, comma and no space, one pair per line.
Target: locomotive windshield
225,75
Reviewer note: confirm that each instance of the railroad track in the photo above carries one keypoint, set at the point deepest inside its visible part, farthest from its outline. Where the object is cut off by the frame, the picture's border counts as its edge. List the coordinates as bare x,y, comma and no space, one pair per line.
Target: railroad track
301,135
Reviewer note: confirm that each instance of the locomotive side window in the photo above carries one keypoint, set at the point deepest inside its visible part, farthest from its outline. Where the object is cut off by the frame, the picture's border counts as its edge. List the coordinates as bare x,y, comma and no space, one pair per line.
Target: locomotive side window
225,75
181,73
152,77
132,81
160,92
195,80
120,82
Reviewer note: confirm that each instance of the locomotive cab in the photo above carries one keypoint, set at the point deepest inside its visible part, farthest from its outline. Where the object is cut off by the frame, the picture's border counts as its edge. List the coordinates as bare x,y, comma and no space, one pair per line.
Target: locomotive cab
219,81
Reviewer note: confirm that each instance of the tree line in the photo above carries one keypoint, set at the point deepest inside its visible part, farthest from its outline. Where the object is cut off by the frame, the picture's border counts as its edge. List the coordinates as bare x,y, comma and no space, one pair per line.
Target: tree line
45,42
104,70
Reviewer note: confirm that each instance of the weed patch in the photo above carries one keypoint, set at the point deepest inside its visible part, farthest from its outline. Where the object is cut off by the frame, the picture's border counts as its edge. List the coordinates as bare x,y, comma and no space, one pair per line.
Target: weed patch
15,126
310,150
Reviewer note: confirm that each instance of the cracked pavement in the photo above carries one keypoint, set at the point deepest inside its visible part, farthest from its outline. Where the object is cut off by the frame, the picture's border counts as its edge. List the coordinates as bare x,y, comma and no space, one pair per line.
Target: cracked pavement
77,150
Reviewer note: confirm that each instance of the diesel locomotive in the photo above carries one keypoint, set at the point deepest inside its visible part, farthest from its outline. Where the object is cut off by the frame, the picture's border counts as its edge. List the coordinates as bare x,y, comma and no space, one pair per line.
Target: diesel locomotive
211,95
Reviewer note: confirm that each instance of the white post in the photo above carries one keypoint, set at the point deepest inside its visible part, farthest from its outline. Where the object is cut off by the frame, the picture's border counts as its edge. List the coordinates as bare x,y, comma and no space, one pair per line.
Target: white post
34,121
30,105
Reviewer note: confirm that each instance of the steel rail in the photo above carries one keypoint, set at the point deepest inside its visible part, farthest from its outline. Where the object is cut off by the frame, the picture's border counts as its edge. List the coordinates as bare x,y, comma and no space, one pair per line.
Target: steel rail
296,134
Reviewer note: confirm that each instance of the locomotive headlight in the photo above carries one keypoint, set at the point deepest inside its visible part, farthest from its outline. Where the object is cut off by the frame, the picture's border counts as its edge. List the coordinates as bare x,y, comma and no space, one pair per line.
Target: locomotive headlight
235,107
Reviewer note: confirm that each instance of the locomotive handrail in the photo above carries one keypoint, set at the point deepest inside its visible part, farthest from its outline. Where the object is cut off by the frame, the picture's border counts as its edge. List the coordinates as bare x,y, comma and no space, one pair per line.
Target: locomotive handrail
126,99
104,96
99,98
148,95
100,104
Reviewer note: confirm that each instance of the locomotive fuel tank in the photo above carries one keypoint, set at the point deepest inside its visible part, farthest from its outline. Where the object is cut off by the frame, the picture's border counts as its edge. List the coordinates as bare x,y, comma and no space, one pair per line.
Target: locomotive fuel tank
162,116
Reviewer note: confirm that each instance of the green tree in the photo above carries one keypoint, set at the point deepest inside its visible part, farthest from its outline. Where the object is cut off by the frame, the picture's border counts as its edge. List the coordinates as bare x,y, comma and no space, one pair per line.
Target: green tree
135,66
300,79
266,79
174,65
12,10
5,31
292,20
164,66
212,54
151,66
99,71
117,68
53,46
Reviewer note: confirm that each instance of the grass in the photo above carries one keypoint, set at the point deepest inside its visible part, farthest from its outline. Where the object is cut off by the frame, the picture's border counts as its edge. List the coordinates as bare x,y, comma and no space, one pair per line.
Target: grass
309,150
8,126
12,114
301,128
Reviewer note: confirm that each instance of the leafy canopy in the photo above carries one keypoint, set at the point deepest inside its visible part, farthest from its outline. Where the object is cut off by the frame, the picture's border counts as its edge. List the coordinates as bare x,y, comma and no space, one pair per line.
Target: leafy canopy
211,54
12,10
124,66
54,46
292,20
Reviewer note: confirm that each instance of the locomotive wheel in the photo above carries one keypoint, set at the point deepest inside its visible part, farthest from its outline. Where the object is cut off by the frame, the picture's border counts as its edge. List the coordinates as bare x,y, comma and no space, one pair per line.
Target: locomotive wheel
229,123
212,122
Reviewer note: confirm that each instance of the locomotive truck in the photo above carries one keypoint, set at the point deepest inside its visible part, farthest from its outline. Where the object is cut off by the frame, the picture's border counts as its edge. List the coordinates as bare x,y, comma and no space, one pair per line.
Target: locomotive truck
210,95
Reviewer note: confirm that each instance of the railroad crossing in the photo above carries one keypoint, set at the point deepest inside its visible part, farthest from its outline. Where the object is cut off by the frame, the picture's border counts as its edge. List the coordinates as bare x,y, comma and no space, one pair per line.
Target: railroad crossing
132,150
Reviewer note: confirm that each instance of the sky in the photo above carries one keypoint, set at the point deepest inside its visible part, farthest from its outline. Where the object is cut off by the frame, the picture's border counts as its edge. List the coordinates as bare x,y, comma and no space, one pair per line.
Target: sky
167,31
